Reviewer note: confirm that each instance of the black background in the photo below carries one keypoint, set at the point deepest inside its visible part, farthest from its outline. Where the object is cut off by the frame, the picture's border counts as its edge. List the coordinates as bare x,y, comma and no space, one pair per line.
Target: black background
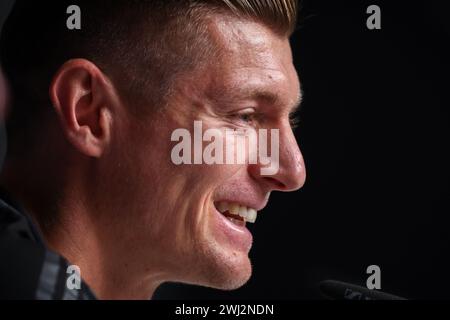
374,132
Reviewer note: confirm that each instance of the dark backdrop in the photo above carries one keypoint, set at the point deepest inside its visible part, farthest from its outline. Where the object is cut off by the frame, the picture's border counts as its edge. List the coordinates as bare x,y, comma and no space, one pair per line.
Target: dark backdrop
374,133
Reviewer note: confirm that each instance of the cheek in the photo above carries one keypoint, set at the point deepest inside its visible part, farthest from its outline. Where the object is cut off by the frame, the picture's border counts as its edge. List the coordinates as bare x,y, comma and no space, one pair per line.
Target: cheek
191,202
175,198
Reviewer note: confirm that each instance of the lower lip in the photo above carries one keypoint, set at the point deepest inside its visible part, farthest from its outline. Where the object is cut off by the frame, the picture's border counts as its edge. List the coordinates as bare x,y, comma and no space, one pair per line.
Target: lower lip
239,236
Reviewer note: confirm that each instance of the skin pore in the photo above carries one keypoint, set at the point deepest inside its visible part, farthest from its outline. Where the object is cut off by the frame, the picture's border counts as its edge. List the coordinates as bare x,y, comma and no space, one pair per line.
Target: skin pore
127,216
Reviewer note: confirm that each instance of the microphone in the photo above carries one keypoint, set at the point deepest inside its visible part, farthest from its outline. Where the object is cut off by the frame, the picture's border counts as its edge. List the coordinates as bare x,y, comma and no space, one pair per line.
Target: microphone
337,290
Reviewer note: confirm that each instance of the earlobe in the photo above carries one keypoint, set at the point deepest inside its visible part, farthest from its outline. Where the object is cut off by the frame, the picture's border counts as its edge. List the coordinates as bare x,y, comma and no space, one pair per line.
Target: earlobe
80,96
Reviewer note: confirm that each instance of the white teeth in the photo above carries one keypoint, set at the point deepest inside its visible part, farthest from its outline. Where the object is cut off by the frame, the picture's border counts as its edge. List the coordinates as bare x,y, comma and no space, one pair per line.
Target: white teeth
243,212
251,215
234,209
248,214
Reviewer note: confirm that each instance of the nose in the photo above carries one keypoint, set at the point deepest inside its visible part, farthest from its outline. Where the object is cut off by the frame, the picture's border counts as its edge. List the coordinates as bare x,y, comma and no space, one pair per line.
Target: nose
291,174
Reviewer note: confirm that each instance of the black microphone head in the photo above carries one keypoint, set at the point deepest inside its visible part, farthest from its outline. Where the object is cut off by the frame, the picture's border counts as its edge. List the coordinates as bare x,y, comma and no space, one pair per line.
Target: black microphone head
338,290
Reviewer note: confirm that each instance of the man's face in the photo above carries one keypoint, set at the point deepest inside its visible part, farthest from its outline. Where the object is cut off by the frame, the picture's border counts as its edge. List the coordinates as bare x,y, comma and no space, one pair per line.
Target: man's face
173,227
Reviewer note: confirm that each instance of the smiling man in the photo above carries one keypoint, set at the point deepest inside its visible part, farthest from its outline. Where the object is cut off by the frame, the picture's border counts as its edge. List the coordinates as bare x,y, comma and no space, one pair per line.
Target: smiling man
90,139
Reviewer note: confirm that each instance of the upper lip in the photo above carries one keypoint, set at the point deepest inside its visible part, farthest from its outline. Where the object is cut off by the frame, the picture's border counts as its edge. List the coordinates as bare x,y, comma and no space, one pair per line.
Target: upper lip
257,205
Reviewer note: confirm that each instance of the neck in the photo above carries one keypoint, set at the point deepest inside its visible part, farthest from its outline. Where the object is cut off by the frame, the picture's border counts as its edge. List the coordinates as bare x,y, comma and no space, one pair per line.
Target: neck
90,243
105,270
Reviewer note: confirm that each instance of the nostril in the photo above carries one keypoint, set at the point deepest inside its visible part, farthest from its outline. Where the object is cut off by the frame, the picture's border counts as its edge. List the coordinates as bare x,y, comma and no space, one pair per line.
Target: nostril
274,182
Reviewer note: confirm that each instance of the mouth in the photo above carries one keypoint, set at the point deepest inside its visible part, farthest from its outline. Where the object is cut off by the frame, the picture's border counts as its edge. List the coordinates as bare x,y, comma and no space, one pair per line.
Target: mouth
238,214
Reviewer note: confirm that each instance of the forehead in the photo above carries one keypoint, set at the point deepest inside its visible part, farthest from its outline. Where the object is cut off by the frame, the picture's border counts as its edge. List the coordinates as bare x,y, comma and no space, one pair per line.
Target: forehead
254,63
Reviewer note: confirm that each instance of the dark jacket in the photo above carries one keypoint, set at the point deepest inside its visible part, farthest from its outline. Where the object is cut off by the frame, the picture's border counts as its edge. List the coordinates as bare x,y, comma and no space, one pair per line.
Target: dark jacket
28,269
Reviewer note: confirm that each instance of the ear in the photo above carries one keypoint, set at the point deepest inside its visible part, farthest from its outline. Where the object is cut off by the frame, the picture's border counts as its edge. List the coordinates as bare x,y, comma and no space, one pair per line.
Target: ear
83,98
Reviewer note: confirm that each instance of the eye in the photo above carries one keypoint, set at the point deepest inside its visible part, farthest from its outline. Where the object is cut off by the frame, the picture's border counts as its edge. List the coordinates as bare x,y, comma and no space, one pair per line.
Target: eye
294,120
247,116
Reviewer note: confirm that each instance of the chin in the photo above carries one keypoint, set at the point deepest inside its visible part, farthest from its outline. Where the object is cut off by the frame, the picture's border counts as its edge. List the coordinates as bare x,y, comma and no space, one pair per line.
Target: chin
225,270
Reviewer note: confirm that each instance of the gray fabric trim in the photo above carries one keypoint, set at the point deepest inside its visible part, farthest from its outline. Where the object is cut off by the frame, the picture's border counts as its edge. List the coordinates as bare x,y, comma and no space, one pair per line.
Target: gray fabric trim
70,294
49,277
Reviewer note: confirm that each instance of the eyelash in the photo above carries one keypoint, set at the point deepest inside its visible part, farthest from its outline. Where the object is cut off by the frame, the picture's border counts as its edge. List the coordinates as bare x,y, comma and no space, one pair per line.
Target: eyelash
294,120
251,117
247,117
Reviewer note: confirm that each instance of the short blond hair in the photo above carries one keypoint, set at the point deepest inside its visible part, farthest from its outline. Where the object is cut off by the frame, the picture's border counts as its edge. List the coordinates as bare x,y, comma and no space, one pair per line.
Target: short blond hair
278,14
141,44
